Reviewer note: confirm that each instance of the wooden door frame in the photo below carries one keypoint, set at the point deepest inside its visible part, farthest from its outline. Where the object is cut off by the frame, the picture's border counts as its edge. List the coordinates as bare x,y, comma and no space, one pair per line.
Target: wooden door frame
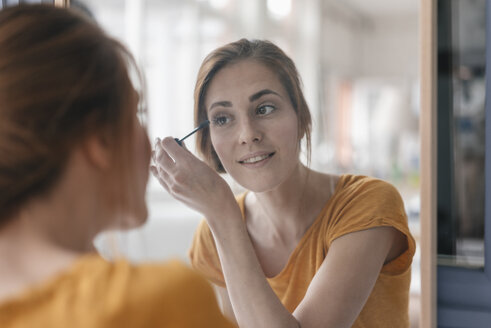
428,220
450,296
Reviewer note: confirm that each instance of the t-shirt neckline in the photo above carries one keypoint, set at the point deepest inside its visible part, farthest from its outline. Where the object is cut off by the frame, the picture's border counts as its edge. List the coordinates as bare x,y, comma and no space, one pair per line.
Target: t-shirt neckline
307,233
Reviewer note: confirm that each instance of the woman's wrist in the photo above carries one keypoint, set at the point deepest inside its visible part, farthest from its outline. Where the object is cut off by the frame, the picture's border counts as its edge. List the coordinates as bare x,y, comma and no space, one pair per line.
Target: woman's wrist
224,218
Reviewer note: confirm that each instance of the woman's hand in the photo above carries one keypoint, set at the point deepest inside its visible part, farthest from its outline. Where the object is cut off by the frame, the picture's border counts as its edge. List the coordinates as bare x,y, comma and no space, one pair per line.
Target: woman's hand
190,180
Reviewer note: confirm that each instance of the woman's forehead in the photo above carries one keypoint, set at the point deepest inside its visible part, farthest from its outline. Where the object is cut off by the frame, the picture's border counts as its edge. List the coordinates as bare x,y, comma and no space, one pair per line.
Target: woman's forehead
246,78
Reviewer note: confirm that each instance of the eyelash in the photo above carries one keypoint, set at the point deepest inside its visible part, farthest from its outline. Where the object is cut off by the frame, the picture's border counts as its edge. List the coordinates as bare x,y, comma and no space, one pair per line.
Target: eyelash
216,119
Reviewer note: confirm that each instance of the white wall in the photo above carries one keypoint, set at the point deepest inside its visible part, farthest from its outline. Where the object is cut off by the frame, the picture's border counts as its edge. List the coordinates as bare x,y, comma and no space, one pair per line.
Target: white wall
390,47
355,44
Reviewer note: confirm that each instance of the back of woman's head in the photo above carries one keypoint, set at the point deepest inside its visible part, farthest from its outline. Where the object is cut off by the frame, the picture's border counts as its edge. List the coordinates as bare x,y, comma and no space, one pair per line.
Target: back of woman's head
61,80
266,53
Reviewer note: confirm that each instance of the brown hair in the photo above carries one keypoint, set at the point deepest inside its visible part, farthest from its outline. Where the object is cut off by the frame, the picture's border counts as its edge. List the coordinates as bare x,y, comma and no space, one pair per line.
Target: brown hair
61,80
269,55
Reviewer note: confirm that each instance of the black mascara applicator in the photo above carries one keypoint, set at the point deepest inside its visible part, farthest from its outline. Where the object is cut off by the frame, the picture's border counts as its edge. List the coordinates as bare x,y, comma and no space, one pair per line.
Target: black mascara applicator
202,125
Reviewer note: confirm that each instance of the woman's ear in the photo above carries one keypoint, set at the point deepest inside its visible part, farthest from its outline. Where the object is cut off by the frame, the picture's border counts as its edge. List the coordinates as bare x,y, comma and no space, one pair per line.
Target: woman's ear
98,151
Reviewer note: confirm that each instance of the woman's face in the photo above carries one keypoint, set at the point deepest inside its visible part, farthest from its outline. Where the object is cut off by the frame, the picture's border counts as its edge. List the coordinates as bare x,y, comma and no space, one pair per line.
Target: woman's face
136,207
141,155
254,128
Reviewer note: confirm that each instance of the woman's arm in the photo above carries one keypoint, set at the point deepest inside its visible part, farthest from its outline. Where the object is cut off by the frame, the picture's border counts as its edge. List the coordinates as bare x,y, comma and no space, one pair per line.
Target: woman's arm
337,292
253,301
303,310
225,304
191,181
347,275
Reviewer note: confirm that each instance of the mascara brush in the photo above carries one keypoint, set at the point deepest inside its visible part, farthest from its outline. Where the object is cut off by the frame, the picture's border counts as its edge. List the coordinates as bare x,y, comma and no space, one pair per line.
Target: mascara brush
202,125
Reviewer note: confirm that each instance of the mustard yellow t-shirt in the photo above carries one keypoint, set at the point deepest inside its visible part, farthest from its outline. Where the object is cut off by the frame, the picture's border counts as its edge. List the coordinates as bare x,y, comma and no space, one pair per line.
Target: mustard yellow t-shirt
358,203
95,293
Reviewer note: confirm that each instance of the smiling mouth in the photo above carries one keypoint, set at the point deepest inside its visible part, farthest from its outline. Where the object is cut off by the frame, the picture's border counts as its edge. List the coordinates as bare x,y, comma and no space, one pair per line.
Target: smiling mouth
256,159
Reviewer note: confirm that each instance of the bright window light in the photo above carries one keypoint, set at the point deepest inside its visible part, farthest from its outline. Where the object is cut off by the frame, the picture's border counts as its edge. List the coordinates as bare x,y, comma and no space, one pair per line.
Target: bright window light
218,4
279,8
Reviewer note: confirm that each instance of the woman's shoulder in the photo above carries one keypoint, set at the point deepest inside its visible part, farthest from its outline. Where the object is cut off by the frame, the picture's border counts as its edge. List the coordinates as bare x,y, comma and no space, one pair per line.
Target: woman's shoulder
357,186
100,278
364,202
361,199
358,180
351,186
99,293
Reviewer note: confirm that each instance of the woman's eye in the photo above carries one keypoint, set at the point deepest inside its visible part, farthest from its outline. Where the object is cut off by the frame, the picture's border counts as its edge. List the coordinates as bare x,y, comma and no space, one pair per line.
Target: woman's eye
265,110
220,120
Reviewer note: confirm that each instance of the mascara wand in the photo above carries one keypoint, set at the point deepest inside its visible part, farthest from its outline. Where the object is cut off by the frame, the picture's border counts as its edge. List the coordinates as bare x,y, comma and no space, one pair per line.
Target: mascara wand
202,125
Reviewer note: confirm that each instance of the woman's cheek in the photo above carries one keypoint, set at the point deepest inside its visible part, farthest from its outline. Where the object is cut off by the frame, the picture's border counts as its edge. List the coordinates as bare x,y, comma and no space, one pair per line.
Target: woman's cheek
220,148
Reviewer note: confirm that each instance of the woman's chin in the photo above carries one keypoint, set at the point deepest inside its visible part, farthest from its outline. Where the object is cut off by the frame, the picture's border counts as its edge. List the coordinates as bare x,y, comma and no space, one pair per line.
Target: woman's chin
132,221
259,185
137,221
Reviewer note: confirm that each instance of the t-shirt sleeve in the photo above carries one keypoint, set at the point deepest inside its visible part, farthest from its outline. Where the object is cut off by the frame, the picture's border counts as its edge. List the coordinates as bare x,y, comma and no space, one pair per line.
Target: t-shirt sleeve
369,203
204,255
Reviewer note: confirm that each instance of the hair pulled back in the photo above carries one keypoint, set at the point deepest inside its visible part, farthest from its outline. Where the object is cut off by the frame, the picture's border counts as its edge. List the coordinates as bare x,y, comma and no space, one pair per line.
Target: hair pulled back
61,79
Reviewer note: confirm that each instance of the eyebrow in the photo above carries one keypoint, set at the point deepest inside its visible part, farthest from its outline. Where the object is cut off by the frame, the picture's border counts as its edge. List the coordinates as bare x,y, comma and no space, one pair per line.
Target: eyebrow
252,98
220,103
261,93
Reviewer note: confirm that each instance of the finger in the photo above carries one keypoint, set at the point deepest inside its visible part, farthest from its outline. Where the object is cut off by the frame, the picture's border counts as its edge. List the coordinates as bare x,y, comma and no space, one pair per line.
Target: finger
155,173
156,143
156,148
162,173
164,179
178,153
162,159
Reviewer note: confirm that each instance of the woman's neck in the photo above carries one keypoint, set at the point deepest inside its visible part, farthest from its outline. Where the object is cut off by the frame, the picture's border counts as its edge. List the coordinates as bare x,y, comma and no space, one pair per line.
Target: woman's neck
289,209
287,195
45,237
27,257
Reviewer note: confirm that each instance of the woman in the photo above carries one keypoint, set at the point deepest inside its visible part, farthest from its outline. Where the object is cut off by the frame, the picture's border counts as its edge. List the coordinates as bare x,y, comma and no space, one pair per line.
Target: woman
300,248
73,163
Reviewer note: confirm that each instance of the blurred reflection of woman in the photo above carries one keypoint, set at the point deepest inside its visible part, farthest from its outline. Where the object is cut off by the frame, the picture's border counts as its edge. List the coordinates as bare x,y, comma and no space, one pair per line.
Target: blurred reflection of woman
74,162
299,248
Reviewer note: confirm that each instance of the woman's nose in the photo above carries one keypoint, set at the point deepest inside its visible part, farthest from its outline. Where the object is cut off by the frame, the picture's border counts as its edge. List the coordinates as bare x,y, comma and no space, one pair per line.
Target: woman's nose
249,131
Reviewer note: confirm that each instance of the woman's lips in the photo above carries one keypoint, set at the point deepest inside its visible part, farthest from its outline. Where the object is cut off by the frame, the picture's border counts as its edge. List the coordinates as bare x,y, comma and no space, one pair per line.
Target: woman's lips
256,158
